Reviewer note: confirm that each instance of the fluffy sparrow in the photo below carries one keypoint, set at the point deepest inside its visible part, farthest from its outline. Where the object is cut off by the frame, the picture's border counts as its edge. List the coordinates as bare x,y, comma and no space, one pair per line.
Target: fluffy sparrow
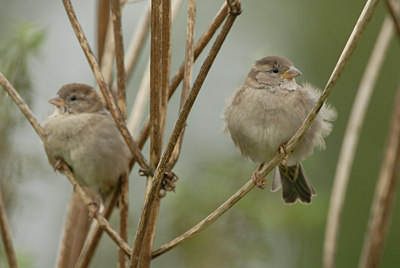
82,133
264,113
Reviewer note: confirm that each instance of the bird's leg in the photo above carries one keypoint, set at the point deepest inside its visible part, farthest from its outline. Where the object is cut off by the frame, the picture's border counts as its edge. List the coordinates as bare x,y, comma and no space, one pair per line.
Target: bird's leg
59,164
96,206
282,151
169,179
168,182
257,179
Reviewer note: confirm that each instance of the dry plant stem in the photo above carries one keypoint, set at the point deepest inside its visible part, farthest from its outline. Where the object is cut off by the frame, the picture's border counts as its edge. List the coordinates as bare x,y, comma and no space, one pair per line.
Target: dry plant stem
75,231
22,106
100,218
187,77
166,23
159,172
155,82
124,205
200,45
350,141
206,221
140,103
119,53
95,233
382,205
115,112
393,9
137,41
107,61
103,14
345,56
6,236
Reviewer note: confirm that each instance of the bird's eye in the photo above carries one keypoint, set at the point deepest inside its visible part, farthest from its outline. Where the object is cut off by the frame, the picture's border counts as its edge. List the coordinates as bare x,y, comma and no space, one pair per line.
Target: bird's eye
73,98
275,70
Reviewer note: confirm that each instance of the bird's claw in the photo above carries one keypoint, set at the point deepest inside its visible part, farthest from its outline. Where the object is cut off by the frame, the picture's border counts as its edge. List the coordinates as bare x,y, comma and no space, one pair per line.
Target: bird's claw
59,164
169,180
259,181
282,151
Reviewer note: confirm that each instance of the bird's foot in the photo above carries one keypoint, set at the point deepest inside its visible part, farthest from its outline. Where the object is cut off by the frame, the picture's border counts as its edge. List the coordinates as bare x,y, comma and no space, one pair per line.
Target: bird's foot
282,151
169,181
59,164
259,181
96,209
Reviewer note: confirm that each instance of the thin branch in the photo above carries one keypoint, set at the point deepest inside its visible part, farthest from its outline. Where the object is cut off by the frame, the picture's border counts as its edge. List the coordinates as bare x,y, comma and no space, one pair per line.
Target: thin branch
103,14
115,112
119,53
382,205
175,81
95,233
159,172
187,77
137,41
393,9
100,218
75,231
345,56
166,23
155,83
140,102
6,236
124,211
350,141
22,106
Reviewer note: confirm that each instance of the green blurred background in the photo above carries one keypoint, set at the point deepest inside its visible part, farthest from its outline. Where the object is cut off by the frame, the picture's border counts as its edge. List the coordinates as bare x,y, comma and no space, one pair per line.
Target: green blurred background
259,231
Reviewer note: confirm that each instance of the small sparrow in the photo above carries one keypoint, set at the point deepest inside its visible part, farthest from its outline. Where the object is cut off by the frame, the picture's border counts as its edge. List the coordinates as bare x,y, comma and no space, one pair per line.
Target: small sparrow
82,133
264,113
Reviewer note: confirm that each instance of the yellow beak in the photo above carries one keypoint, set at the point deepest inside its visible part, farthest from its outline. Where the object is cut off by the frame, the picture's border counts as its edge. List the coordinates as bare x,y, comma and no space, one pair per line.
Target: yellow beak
57,101
291,73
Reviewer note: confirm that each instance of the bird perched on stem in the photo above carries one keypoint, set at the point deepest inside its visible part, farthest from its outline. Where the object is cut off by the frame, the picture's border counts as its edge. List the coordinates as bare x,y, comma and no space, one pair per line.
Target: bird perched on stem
264,113
82,133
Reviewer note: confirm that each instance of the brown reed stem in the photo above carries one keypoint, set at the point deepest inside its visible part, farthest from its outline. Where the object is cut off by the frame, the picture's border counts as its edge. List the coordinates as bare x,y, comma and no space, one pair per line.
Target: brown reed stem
382,205
184,113
119,54
115,112
6,236
350,141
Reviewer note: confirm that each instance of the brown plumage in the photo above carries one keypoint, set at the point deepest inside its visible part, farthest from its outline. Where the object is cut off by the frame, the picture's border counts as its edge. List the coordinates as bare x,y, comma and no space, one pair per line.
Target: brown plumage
83,134
264,114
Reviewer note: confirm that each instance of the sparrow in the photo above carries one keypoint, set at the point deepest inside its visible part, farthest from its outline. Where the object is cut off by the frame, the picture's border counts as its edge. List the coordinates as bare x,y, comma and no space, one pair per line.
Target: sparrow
265,112
82,133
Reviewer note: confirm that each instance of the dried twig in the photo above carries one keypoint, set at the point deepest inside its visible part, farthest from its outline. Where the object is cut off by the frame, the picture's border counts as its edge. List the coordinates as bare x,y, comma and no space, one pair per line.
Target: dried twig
95,233
75,230
350,141
100,219
382,205
175,81
22,106
393,9
115,112
119,53
103,14
159,172
123,229
345,56
188,69
6,237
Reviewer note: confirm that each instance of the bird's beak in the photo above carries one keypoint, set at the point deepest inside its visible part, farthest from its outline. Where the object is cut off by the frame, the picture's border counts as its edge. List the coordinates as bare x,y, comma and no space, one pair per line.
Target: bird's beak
57,101
291,73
